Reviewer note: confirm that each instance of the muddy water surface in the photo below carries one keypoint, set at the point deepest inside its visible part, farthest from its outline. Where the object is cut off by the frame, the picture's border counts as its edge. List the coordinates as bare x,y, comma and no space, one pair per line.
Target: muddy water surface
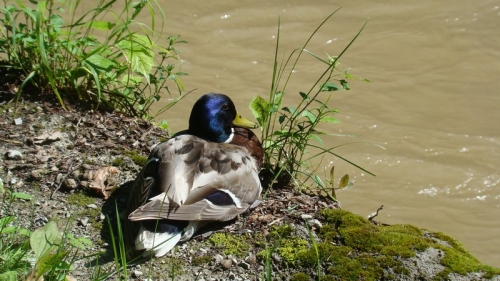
433,104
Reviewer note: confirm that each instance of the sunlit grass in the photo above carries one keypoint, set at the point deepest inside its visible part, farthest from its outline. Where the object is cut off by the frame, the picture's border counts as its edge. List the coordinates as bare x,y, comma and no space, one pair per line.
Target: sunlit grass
126,68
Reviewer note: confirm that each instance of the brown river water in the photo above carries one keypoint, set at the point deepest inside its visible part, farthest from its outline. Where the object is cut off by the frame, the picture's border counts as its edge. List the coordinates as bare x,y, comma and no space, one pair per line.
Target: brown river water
433,104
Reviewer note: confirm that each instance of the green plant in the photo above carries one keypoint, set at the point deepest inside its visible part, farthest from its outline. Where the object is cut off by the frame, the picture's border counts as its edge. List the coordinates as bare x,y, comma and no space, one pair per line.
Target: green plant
291,133
14,243
44,252
118,72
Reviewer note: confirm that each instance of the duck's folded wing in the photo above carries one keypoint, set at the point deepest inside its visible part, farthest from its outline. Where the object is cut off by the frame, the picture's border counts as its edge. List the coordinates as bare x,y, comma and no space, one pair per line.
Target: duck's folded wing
203,210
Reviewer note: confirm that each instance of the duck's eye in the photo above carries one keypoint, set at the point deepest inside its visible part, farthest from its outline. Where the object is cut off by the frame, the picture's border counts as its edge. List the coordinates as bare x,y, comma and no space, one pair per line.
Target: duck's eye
225,107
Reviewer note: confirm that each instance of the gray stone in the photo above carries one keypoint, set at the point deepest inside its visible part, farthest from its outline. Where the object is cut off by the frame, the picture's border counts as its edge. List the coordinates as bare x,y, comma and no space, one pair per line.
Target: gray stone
226,264
84,221
14,154
92,206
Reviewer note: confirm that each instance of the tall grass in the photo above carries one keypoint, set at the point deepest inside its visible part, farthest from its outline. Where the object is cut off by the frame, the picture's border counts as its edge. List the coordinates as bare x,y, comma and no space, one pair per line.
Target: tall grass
103,58
291,133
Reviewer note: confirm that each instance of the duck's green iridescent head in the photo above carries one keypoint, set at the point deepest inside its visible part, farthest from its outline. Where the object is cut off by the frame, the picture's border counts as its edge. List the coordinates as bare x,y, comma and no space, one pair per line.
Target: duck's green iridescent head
213,116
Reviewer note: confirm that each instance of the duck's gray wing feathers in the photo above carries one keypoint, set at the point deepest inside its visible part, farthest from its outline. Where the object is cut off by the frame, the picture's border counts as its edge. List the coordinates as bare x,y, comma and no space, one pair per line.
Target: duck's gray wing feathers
196,179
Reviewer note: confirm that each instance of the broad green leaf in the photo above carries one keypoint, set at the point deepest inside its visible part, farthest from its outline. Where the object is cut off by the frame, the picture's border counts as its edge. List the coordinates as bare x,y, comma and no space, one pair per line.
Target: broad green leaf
100,63
277,99
317,138
309,115
8,229
8,276
344,84
51,261
138,50
20,195
101,25
259,108
304,96
45,239
329,86
268,143
78,242
56,21
344,181
281,119
329,119
290,109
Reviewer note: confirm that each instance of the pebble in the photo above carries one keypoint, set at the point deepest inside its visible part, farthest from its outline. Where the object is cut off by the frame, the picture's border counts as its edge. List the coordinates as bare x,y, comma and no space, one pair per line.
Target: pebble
38,173
18,121
84,221
226,264
251,259
92,206
315,222
70,184
14,154
137,273
306,217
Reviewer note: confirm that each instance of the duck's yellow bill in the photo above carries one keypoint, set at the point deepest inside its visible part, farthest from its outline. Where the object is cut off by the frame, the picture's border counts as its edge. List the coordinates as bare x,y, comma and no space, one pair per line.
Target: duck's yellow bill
243,122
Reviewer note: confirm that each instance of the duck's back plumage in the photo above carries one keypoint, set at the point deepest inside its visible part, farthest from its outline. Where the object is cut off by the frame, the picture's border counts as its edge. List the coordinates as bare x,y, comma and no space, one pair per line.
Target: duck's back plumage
189,179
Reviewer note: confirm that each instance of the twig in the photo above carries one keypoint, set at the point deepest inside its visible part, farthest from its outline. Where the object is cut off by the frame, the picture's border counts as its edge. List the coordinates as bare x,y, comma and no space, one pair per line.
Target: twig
12,141
370,218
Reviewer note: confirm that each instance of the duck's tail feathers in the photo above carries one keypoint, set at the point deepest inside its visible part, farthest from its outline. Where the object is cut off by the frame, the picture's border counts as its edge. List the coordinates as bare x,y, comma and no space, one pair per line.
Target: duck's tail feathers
159,242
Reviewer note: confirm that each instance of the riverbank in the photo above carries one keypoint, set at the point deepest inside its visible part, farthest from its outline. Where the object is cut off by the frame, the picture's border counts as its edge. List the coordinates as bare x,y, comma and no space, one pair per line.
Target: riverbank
78,166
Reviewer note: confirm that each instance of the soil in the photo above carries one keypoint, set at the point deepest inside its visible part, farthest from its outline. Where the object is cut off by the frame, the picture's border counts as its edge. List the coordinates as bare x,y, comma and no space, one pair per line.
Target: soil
78,166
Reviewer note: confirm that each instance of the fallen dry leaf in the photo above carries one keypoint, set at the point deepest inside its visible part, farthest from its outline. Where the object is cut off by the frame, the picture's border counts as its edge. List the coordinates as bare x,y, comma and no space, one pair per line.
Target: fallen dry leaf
48,138
104,180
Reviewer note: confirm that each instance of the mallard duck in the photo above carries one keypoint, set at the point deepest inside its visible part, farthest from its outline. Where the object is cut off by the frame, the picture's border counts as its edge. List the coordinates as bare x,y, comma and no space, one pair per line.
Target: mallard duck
206,173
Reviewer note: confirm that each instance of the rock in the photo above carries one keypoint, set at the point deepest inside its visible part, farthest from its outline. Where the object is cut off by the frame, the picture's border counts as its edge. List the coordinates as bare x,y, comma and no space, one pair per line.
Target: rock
92,206
315,222
137,273
14,154
84,221
70,184
226,264
251,259
306,217
38,173
18,121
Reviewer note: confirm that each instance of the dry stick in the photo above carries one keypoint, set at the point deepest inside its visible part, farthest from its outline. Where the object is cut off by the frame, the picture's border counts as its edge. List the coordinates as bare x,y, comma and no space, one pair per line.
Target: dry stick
370,218
12,141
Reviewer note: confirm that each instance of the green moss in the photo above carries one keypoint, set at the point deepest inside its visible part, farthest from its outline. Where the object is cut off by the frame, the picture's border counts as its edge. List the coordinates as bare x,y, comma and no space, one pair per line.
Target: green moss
343,218
80,199
201,260
300,276
170,268
279,232
457,259
136,157
375,247
117,162
357,232
290,248
231,244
